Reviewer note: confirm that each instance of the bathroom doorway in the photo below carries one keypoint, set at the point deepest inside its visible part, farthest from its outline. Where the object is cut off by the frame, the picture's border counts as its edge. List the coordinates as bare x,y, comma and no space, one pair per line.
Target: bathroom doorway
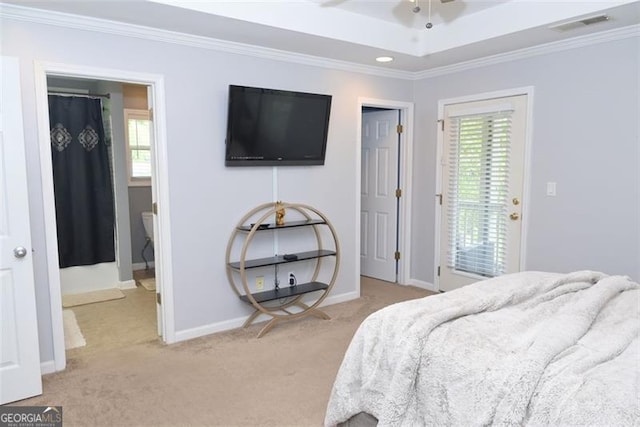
101,144
56,77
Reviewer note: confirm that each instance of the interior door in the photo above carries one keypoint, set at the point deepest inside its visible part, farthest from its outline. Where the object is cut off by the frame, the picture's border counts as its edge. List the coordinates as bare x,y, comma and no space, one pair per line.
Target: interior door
482,185
20,375
379,205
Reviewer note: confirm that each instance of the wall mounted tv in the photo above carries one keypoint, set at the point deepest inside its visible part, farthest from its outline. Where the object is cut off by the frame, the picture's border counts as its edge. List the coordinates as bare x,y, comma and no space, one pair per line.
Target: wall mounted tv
269,127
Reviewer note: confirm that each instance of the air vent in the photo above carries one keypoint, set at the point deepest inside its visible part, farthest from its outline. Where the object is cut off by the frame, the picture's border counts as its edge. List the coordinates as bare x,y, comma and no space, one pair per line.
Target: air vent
572,25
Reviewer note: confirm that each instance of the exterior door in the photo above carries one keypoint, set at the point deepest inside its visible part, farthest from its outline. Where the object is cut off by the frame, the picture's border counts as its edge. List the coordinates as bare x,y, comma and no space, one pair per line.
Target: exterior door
379,205
20,375
482,185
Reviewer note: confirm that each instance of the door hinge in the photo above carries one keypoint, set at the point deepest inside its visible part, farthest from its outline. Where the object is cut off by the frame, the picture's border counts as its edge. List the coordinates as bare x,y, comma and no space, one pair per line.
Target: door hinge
441,121
439,196
438,271
159,299
154,208
397,255
398,193
399,128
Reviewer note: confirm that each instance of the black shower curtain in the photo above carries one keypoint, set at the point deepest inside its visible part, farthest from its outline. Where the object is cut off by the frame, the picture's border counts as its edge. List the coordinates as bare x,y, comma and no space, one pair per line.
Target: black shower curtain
82,181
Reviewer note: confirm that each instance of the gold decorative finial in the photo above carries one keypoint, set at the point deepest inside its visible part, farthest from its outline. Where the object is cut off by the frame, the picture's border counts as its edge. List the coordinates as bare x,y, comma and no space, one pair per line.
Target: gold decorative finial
280,212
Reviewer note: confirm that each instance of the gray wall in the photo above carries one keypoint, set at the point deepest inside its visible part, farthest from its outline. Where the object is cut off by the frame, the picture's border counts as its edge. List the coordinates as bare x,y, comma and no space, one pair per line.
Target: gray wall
585,138
206,198
139,201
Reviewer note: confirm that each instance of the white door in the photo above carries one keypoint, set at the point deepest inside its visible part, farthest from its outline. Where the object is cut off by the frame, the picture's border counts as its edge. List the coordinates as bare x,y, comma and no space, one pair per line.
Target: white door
20,375
378,216
482,185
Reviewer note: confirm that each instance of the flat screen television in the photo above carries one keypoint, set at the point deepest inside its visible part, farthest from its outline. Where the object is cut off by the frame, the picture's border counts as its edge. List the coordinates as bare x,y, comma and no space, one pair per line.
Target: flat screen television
269,127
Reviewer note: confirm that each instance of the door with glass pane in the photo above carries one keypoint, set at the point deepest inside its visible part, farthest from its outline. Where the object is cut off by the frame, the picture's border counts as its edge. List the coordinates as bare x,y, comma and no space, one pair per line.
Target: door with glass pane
482,184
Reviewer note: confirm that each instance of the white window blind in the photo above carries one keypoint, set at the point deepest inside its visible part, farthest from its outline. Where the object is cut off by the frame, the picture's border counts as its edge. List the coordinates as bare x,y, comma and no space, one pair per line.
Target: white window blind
479,149
138,140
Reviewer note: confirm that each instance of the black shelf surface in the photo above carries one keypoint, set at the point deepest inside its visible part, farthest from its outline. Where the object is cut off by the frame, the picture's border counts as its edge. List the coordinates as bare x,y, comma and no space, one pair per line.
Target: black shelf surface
286,291
289,224
263,262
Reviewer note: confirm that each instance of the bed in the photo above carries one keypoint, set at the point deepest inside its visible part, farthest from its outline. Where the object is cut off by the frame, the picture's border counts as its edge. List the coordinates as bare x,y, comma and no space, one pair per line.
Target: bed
530,348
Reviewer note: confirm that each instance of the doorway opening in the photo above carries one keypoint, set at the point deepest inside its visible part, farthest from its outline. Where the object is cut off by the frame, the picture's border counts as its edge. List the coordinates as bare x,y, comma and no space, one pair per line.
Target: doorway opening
72,82
97,268
385,189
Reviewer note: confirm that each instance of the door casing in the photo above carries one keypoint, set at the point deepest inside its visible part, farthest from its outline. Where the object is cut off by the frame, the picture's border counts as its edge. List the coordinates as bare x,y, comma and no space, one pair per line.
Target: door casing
160,182
529,92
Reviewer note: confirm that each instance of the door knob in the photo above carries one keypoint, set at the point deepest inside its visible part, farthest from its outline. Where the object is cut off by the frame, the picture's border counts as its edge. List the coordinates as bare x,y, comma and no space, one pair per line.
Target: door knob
19,252
514,216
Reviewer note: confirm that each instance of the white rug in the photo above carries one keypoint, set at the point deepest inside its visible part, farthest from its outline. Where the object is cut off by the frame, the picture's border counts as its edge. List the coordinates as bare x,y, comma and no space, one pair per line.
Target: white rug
148,283
72,335
72,300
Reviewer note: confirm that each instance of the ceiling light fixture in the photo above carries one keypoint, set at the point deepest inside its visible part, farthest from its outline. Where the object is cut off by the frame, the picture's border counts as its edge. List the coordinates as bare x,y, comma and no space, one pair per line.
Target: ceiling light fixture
417,9
384,58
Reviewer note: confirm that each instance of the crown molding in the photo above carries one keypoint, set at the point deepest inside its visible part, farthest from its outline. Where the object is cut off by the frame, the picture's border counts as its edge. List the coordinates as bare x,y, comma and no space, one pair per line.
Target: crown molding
21,13
558,46
26,14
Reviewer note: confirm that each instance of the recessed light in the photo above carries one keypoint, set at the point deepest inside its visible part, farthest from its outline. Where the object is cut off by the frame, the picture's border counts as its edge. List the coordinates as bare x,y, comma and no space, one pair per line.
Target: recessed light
384,59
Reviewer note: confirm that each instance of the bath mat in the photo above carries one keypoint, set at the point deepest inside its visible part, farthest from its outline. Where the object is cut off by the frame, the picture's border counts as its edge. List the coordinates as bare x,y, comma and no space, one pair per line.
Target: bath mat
149,283
73,300
72,335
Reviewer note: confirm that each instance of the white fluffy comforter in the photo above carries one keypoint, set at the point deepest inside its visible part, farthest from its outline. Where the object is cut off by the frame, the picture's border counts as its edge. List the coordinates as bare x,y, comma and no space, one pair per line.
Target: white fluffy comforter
522,349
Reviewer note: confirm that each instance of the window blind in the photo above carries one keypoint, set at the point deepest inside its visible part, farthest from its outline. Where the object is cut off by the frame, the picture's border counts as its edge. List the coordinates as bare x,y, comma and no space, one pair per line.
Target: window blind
478,188
140,147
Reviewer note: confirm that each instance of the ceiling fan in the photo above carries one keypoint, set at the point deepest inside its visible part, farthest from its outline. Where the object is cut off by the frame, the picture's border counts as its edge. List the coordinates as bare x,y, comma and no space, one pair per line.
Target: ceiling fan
417,9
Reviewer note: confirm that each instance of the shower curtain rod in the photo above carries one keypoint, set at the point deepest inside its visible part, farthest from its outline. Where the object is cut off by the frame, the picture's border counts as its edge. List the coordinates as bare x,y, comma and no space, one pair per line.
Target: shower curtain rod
86,95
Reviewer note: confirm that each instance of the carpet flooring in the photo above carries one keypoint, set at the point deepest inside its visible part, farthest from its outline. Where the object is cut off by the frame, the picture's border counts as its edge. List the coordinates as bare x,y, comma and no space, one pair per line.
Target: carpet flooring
225,379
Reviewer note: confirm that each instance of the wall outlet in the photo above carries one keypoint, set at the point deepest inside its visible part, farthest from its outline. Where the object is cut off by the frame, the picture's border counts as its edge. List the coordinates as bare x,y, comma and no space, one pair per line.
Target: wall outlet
291,279
259,283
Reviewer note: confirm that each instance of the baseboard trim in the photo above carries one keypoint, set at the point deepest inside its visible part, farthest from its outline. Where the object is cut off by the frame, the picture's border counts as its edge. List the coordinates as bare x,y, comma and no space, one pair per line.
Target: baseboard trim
209,329
129,284
48,367
337,299
424,285
226,325
141,266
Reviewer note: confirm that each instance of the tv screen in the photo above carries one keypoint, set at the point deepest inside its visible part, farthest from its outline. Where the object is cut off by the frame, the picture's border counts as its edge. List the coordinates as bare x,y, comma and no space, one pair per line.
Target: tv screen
269,127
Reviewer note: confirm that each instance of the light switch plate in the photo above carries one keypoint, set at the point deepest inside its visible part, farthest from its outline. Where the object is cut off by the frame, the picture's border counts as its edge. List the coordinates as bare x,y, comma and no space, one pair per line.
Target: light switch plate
551,189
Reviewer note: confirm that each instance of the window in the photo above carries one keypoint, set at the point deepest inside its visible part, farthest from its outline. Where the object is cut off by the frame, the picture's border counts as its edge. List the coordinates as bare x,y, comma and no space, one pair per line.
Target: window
479,188
138,138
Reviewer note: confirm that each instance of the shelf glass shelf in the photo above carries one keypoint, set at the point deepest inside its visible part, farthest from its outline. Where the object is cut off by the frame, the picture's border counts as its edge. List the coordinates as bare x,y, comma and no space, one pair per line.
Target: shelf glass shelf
286,291
264,262
289,224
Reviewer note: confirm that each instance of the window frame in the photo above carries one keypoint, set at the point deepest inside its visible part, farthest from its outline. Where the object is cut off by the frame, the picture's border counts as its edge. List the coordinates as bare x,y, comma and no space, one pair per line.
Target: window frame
136,114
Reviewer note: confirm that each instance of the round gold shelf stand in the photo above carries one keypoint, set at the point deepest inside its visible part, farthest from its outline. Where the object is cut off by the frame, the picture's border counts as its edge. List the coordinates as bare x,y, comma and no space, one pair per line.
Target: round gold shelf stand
280,312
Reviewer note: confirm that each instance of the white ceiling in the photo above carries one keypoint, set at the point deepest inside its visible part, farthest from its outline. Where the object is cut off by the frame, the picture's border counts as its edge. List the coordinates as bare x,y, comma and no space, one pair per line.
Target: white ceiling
357,31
